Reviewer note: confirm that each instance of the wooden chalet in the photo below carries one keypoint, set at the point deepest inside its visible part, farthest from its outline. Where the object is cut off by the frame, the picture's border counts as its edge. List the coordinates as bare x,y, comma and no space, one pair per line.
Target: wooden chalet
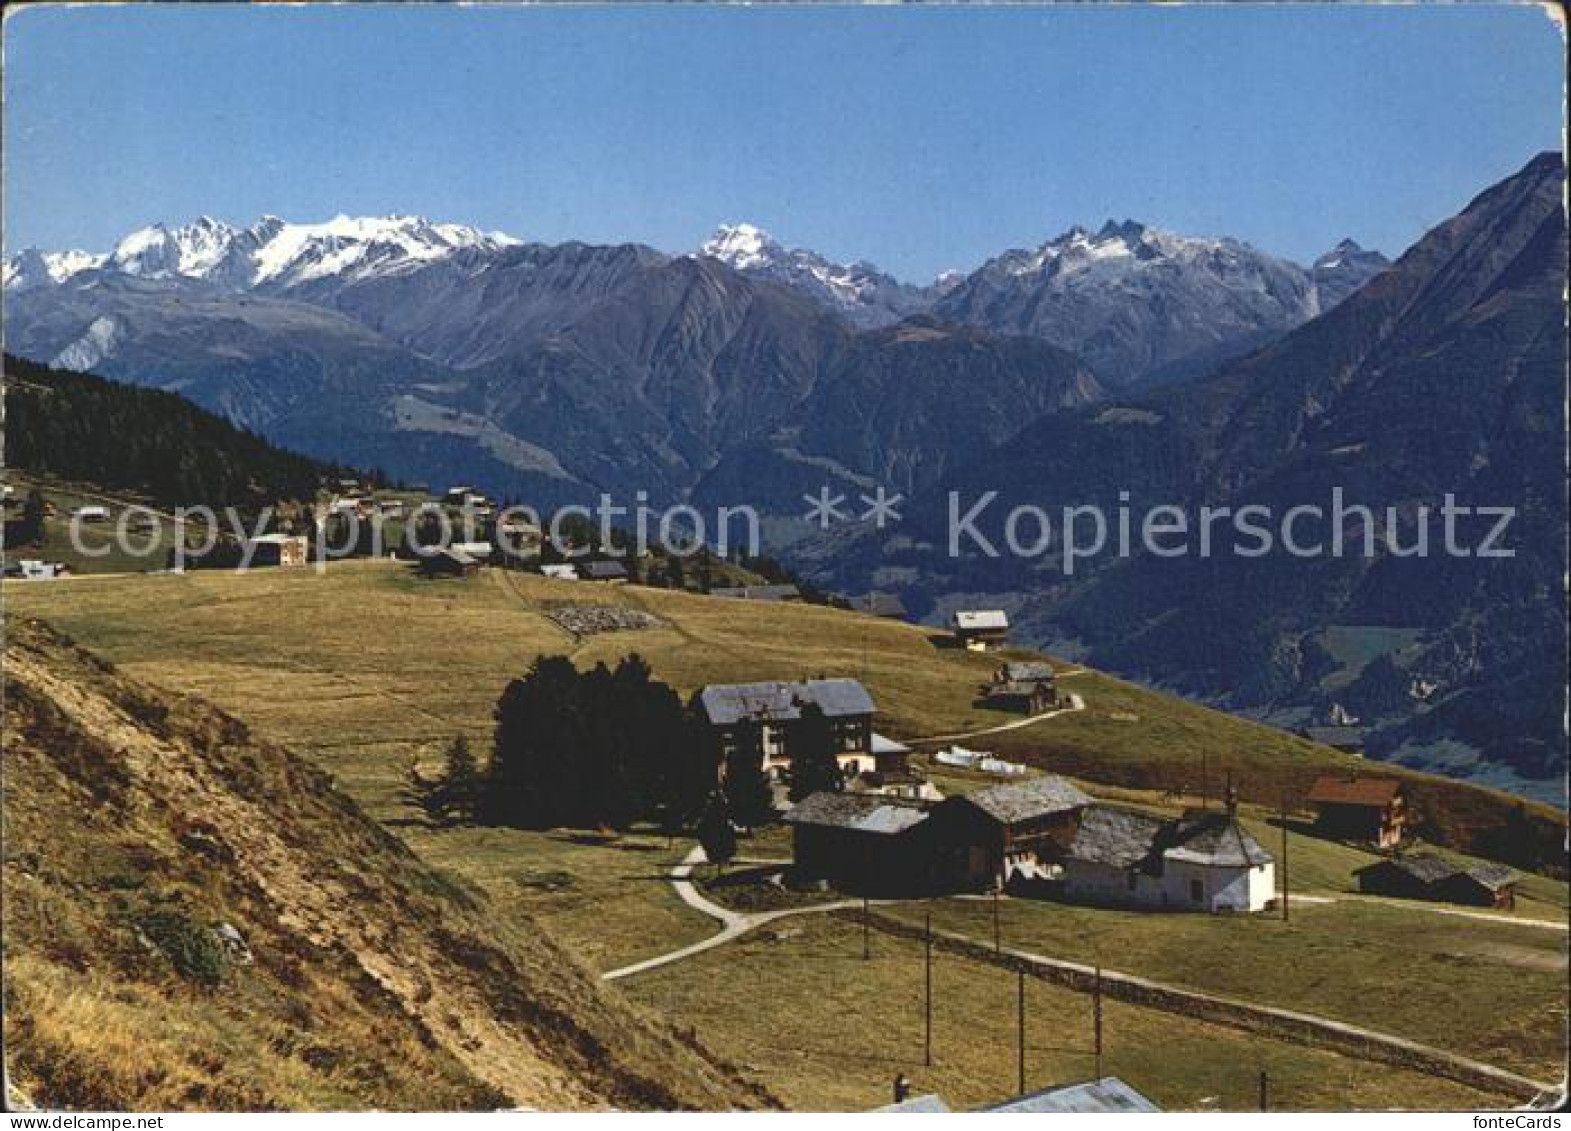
278,550
776,708
448,562
859,842
988,838
1028,687
1350,807
980,629
893,775
1425,876
612,572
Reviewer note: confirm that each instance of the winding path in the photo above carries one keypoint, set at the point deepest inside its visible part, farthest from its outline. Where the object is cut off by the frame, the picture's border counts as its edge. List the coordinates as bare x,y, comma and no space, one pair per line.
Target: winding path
1076,703
732,923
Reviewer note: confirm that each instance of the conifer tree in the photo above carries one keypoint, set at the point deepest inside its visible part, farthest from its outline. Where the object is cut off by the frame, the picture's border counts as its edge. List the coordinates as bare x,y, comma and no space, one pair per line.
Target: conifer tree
813,765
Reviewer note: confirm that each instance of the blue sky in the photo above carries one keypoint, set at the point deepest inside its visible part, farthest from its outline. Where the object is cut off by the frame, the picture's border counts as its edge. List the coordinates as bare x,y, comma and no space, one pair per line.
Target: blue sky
919,138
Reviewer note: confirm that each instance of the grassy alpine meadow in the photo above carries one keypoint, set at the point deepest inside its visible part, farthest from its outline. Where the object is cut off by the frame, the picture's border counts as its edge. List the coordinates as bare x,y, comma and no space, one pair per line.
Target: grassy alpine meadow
369,669
796,1005
1494,991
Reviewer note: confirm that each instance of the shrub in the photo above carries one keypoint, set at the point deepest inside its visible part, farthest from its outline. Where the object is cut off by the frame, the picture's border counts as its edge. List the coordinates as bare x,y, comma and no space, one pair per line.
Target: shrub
191,948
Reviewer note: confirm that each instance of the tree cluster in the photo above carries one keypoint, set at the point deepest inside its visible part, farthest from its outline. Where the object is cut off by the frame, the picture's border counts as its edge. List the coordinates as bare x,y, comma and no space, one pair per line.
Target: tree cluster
79,427
600,748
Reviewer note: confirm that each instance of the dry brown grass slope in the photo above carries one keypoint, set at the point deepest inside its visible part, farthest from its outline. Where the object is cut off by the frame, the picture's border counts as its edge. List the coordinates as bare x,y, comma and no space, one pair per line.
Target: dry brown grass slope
136,820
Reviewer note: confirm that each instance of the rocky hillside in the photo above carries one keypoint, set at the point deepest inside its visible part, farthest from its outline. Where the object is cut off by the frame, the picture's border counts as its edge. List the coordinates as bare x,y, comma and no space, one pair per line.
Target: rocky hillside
195,919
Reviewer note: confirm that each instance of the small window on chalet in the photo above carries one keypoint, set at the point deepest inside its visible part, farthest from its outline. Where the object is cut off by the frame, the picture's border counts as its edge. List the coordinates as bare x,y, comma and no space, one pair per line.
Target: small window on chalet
1197,890
1130,877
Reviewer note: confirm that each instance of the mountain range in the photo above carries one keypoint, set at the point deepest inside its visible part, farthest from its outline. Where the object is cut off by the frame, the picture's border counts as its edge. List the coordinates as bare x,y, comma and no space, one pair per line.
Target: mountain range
1444,375
1179,368
442,351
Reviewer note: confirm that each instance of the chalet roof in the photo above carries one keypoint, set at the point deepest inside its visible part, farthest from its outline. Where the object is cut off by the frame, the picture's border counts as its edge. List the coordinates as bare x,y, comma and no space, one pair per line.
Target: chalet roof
1421,866
473,549
979,619
1027,672
862,812
1114,836
1374,792
453,554
1124,839
603,570
1214,839
1107,1095
1022,801
1430,869
879,604
757,592
728,703
1492,876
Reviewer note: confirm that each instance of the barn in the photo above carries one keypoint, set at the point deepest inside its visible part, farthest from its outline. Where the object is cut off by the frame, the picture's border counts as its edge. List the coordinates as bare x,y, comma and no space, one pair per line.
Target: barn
278,550
859,842
1027,696
611,572
1350,807
448,562
1426,876
993,836
980,629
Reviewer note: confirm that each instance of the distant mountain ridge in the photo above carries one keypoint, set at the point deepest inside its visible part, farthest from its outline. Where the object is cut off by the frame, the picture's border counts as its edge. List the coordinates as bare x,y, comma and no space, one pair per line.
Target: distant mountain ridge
1444,375
548,372
861,293
1134,301
271,254
1139,304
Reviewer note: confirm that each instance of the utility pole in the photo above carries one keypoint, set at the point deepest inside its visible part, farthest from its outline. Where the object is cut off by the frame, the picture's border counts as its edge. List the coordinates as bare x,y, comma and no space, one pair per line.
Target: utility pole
998,937
1020,1031
866,944
1096,1018
1284,856
1264,1092
927,1057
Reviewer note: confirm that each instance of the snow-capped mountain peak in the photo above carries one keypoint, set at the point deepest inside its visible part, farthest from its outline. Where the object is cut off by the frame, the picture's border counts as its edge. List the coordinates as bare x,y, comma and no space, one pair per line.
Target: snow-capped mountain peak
742,246
1128,240
272,252
34,268
858,291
